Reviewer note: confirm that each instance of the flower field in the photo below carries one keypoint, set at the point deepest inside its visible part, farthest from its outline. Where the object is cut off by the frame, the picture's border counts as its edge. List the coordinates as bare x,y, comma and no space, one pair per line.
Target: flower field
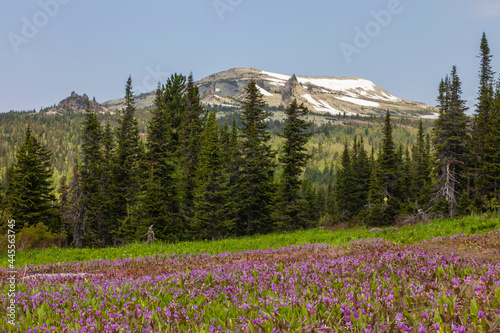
366,286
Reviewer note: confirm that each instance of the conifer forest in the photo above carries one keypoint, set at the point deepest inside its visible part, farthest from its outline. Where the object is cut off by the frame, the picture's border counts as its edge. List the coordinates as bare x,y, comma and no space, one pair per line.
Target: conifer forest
192,174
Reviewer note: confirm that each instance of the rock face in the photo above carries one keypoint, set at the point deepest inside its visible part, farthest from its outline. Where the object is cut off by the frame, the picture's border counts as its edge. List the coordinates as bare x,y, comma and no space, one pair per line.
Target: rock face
210,94
75,104
287,93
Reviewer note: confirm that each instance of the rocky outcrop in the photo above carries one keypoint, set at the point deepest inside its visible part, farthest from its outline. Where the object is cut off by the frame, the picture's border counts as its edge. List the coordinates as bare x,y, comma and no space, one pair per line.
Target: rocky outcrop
210,94
75,104
287,91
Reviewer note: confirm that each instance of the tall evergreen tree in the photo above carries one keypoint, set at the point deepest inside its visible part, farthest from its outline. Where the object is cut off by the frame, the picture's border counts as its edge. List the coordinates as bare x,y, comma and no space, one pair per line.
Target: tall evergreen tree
491,167
91,176
30,194
450,139
256,189
126,167
162,198
293,160
383,195
190,137
174,102
481,124
214,215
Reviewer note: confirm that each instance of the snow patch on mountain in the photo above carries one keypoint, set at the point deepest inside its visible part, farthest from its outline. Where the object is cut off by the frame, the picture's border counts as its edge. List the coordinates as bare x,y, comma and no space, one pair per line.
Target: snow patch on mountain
353,87
321,106
357,101
278,76
430,116
263,91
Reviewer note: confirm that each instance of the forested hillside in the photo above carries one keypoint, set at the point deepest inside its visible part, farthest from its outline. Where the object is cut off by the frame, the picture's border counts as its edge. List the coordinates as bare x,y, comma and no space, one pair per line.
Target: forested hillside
178,170
61,135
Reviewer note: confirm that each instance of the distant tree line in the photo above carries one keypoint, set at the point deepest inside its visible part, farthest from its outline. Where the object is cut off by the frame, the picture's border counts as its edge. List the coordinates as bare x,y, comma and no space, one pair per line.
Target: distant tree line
198,178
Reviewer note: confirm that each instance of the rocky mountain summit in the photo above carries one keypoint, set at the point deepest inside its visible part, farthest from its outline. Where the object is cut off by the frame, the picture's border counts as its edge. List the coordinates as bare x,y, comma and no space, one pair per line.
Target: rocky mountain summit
74,104
322,95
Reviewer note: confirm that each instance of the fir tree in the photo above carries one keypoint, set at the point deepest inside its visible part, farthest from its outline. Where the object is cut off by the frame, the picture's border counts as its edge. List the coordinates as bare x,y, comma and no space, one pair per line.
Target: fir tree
190,146
492,155
256,189
30,194
214,212
481,124
384,198
162,198
126,168
450,141
174,102
91,175
293,160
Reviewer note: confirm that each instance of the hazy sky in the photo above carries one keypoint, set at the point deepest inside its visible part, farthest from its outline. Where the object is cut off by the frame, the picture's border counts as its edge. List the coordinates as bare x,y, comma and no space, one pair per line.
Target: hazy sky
52,47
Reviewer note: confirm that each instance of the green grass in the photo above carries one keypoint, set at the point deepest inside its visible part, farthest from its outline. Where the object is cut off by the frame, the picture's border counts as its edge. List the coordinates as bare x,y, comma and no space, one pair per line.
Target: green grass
407,235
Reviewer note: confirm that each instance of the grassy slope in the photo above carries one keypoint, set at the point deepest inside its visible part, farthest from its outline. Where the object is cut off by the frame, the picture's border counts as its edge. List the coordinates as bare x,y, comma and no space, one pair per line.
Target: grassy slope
408,234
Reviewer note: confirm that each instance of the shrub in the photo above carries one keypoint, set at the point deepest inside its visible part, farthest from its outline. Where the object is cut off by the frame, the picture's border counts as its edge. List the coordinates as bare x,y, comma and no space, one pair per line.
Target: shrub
35,237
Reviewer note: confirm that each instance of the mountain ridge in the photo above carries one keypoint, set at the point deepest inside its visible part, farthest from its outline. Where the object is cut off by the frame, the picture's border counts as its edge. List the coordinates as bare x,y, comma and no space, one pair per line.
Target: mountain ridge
321,94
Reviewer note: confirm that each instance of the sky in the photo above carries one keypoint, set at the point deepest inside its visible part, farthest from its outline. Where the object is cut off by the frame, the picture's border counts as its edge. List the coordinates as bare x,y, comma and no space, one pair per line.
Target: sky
50,48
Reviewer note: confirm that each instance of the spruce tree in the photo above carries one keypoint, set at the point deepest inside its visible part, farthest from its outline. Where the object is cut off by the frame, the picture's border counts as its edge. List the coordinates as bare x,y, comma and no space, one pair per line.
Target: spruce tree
450,139
162,197
384,198
190,138
481,124
214,215
126,168
256,188
30,194
492,155
293,160
91,176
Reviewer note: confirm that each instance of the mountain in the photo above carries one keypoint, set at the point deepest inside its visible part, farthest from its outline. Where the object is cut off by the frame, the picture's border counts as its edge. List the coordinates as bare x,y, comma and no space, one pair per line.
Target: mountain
325,95
74,104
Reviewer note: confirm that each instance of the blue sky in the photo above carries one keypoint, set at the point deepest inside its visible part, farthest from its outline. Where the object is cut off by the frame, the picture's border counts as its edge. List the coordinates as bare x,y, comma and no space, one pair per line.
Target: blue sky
52,47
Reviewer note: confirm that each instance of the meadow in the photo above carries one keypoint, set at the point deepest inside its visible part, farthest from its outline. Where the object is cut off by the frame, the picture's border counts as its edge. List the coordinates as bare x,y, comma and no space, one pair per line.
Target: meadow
443,276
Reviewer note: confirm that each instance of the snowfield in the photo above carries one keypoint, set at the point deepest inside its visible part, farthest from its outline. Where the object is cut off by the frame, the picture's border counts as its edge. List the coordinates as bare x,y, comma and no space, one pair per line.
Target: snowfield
263,91
355,86
357,101
321,106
